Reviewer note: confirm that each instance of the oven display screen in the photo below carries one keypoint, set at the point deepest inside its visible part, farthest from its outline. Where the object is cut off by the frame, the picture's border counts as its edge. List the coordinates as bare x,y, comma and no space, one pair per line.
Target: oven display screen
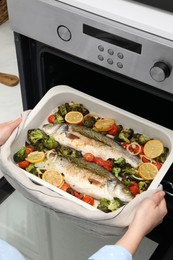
112,38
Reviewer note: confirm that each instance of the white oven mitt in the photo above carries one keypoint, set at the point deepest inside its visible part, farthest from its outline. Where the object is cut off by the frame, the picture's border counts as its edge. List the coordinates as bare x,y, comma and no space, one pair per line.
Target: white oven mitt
105,224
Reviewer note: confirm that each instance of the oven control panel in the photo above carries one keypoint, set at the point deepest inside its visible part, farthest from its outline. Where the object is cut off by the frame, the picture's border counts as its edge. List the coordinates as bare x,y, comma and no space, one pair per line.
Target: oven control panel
122,49
143,57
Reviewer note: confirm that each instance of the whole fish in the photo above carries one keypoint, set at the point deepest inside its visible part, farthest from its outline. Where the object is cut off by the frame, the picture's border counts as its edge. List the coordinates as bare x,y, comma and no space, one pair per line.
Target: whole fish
87,182
87,140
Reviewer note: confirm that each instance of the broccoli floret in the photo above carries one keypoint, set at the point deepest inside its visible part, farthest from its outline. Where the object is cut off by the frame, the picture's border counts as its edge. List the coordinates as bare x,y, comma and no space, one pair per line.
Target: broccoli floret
143,185
116,171
103,205
115,204
126,134
32,169
39,146
79,108
110,205
89,122
35,135
20,155
163,156
64,109
141,139
119,162
75,153
66,151
59,118
50,143
129,171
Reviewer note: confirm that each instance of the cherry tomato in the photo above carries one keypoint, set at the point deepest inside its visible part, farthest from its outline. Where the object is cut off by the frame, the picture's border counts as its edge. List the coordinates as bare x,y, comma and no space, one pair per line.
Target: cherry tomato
114,130
124,145
134,189
77,194
65,186
89,157
88,199
23,164
51,119
142,151
29,149
99,161
145,159
158,165
107,165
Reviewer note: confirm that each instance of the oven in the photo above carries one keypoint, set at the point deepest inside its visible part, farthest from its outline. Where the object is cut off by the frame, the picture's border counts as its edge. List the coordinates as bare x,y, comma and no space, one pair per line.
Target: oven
59,43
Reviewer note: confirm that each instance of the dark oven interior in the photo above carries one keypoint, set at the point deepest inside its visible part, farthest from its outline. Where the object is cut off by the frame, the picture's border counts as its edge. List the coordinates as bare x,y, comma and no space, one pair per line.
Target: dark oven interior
42,67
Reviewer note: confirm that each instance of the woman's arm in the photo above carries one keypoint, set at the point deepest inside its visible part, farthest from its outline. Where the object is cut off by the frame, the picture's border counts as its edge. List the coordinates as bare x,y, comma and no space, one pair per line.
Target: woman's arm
149,214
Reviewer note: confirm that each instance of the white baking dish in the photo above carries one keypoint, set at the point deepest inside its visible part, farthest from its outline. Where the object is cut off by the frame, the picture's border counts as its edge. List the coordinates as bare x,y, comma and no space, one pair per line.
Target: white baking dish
61,94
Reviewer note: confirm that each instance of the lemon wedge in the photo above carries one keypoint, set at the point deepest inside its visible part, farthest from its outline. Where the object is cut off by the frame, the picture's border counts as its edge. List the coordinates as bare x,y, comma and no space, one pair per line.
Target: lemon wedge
148,171
35,157
74,117
53,177
153,148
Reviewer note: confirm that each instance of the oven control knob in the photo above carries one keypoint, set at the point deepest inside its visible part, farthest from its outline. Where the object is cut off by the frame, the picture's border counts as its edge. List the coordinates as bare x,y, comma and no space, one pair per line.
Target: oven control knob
64,33
160,71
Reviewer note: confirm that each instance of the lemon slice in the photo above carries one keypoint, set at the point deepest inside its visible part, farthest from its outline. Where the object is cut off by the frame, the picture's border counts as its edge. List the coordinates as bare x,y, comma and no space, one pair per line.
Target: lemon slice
35,157
147,171
153,148
74,117
104,124
53,177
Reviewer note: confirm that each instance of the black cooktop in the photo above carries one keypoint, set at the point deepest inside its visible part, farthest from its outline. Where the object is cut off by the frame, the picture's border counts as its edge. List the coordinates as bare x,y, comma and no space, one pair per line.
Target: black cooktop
166,5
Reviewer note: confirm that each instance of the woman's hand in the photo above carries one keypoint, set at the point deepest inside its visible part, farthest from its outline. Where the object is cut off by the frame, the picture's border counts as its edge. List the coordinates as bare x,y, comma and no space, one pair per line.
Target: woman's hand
7,128
149,214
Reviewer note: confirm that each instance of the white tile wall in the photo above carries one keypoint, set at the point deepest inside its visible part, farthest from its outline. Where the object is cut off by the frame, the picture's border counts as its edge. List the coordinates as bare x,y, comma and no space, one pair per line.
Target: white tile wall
10,97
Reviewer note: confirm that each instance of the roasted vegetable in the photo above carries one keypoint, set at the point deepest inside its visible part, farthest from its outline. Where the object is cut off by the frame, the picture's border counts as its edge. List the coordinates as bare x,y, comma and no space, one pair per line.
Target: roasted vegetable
39,146
78,107
35,135
103,205
143,185
89,122
110,205
32,169
163,156
141,139
115,204
116,171
119,162
50,143
126,134
59,118
67,107
64,109
20,155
